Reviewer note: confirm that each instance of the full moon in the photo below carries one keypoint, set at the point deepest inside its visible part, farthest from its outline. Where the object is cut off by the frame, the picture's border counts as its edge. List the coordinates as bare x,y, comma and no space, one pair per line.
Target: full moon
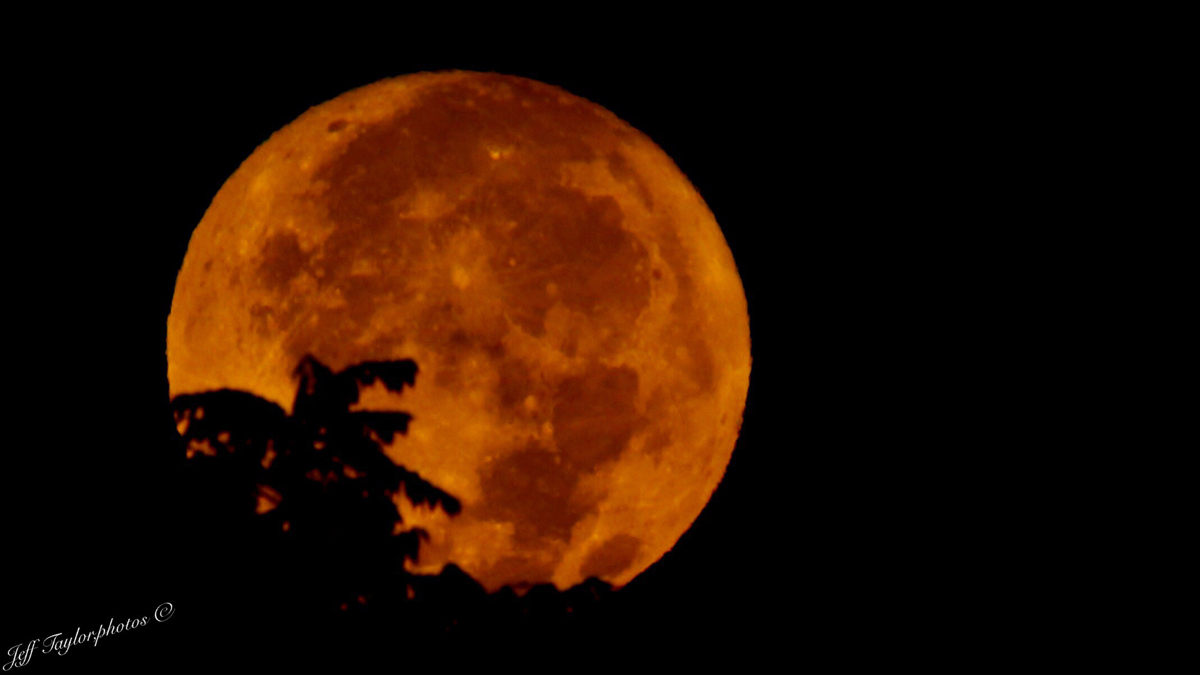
575,313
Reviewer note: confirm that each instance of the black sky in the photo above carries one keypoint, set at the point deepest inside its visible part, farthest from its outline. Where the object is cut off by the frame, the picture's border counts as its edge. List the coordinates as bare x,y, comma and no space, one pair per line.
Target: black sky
123,145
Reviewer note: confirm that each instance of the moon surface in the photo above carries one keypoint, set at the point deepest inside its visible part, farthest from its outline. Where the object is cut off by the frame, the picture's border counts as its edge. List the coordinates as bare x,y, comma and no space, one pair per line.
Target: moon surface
579,325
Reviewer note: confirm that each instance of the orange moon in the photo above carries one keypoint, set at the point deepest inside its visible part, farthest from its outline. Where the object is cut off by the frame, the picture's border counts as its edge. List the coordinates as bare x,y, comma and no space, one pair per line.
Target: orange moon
578,322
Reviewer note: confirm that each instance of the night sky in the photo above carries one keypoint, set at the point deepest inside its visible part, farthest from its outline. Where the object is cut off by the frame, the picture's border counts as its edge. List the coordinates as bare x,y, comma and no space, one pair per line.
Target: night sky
122,152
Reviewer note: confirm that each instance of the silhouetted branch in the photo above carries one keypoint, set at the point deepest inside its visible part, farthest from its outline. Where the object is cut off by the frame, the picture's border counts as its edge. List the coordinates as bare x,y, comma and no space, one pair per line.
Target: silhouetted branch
306,500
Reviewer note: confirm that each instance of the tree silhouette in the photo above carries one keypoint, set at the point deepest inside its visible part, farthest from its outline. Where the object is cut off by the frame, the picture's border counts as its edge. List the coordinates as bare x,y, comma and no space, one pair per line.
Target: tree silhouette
318,478
296,513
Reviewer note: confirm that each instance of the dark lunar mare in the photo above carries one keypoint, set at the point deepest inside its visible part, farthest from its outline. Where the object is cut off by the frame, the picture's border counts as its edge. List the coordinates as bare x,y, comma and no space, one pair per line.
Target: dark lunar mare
328,555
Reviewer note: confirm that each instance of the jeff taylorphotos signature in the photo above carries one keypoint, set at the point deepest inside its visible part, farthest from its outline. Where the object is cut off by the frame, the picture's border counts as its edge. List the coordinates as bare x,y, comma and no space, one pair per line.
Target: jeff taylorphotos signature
22,653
